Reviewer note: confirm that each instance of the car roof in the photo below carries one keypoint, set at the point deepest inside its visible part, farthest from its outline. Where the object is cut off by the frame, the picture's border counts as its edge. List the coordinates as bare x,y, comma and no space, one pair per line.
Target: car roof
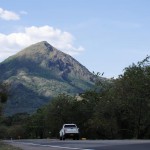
70,124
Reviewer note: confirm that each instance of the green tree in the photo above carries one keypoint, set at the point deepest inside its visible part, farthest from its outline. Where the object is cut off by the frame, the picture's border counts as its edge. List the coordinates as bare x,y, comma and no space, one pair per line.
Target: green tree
16,132
137,78
3,99
122,109
36,127
3,95
60,110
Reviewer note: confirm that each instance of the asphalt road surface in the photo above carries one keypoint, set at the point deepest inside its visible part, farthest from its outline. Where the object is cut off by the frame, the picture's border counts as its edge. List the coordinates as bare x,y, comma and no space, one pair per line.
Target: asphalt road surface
49,144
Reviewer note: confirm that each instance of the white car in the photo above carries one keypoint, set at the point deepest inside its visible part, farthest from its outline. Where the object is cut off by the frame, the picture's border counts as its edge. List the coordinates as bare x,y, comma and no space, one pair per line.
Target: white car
69,131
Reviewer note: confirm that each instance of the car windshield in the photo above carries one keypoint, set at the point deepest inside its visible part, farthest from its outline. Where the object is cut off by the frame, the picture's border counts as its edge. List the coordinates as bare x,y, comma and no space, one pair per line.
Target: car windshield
70,126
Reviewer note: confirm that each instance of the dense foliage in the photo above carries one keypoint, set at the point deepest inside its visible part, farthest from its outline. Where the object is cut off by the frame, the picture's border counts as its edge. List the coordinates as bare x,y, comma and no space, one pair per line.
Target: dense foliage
115,109
3,95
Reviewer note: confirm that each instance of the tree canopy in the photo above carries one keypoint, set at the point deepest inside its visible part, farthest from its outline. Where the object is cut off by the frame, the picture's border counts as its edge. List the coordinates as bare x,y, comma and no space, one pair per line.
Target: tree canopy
114,109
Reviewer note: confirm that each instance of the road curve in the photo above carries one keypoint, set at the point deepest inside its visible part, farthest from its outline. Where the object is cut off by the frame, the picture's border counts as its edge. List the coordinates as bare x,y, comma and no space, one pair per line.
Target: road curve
49,144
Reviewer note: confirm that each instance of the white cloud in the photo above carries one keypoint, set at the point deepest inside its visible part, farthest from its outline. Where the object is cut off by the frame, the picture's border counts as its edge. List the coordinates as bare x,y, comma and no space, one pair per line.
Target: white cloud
12,43
8,15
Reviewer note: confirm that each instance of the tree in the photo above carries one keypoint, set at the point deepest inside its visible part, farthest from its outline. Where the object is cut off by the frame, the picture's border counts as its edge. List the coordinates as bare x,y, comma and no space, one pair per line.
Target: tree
132,91
36,127
3,92
60,110
123,107
3,95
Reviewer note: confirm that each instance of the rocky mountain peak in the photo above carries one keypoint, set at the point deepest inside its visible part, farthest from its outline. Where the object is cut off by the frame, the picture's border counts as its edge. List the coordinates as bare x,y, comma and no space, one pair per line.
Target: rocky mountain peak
40,72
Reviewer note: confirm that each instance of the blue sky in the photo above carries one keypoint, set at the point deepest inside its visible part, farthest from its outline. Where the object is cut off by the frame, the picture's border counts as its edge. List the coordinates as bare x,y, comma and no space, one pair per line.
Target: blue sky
103,35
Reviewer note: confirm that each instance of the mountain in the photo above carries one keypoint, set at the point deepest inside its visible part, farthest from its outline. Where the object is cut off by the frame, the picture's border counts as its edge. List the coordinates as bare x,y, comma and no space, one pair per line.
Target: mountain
38,73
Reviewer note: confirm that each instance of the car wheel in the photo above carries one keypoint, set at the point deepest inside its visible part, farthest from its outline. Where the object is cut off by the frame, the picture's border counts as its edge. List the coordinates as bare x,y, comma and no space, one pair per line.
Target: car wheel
63,137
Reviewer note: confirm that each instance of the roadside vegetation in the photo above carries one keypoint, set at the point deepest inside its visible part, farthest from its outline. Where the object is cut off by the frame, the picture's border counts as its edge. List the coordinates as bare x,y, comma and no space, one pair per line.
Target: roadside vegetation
4,146
114,109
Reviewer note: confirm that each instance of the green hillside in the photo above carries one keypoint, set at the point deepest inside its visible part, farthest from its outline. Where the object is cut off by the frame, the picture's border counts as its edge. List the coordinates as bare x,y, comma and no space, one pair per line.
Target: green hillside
40,72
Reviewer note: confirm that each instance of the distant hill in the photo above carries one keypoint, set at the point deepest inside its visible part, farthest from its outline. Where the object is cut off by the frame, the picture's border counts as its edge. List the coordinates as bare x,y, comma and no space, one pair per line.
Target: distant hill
38,73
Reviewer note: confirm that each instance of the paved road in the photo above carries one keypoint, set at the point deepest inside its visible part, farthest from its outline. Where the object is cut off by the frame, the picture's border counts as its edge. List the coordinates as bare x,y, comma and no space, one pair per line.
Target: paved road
48,144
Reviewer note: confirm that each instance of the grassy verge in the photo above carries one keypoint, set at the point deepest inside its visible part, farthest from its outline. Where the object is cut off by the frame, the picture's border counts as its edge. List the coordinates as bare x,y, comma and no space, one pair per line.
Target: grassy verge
4,146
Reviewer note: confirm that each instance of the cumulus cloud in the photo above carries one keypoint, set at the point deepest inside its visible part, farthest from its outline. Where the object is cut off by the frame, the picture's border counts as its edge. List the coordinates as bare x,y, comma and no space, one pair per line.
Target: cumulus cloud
12,43
8,15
